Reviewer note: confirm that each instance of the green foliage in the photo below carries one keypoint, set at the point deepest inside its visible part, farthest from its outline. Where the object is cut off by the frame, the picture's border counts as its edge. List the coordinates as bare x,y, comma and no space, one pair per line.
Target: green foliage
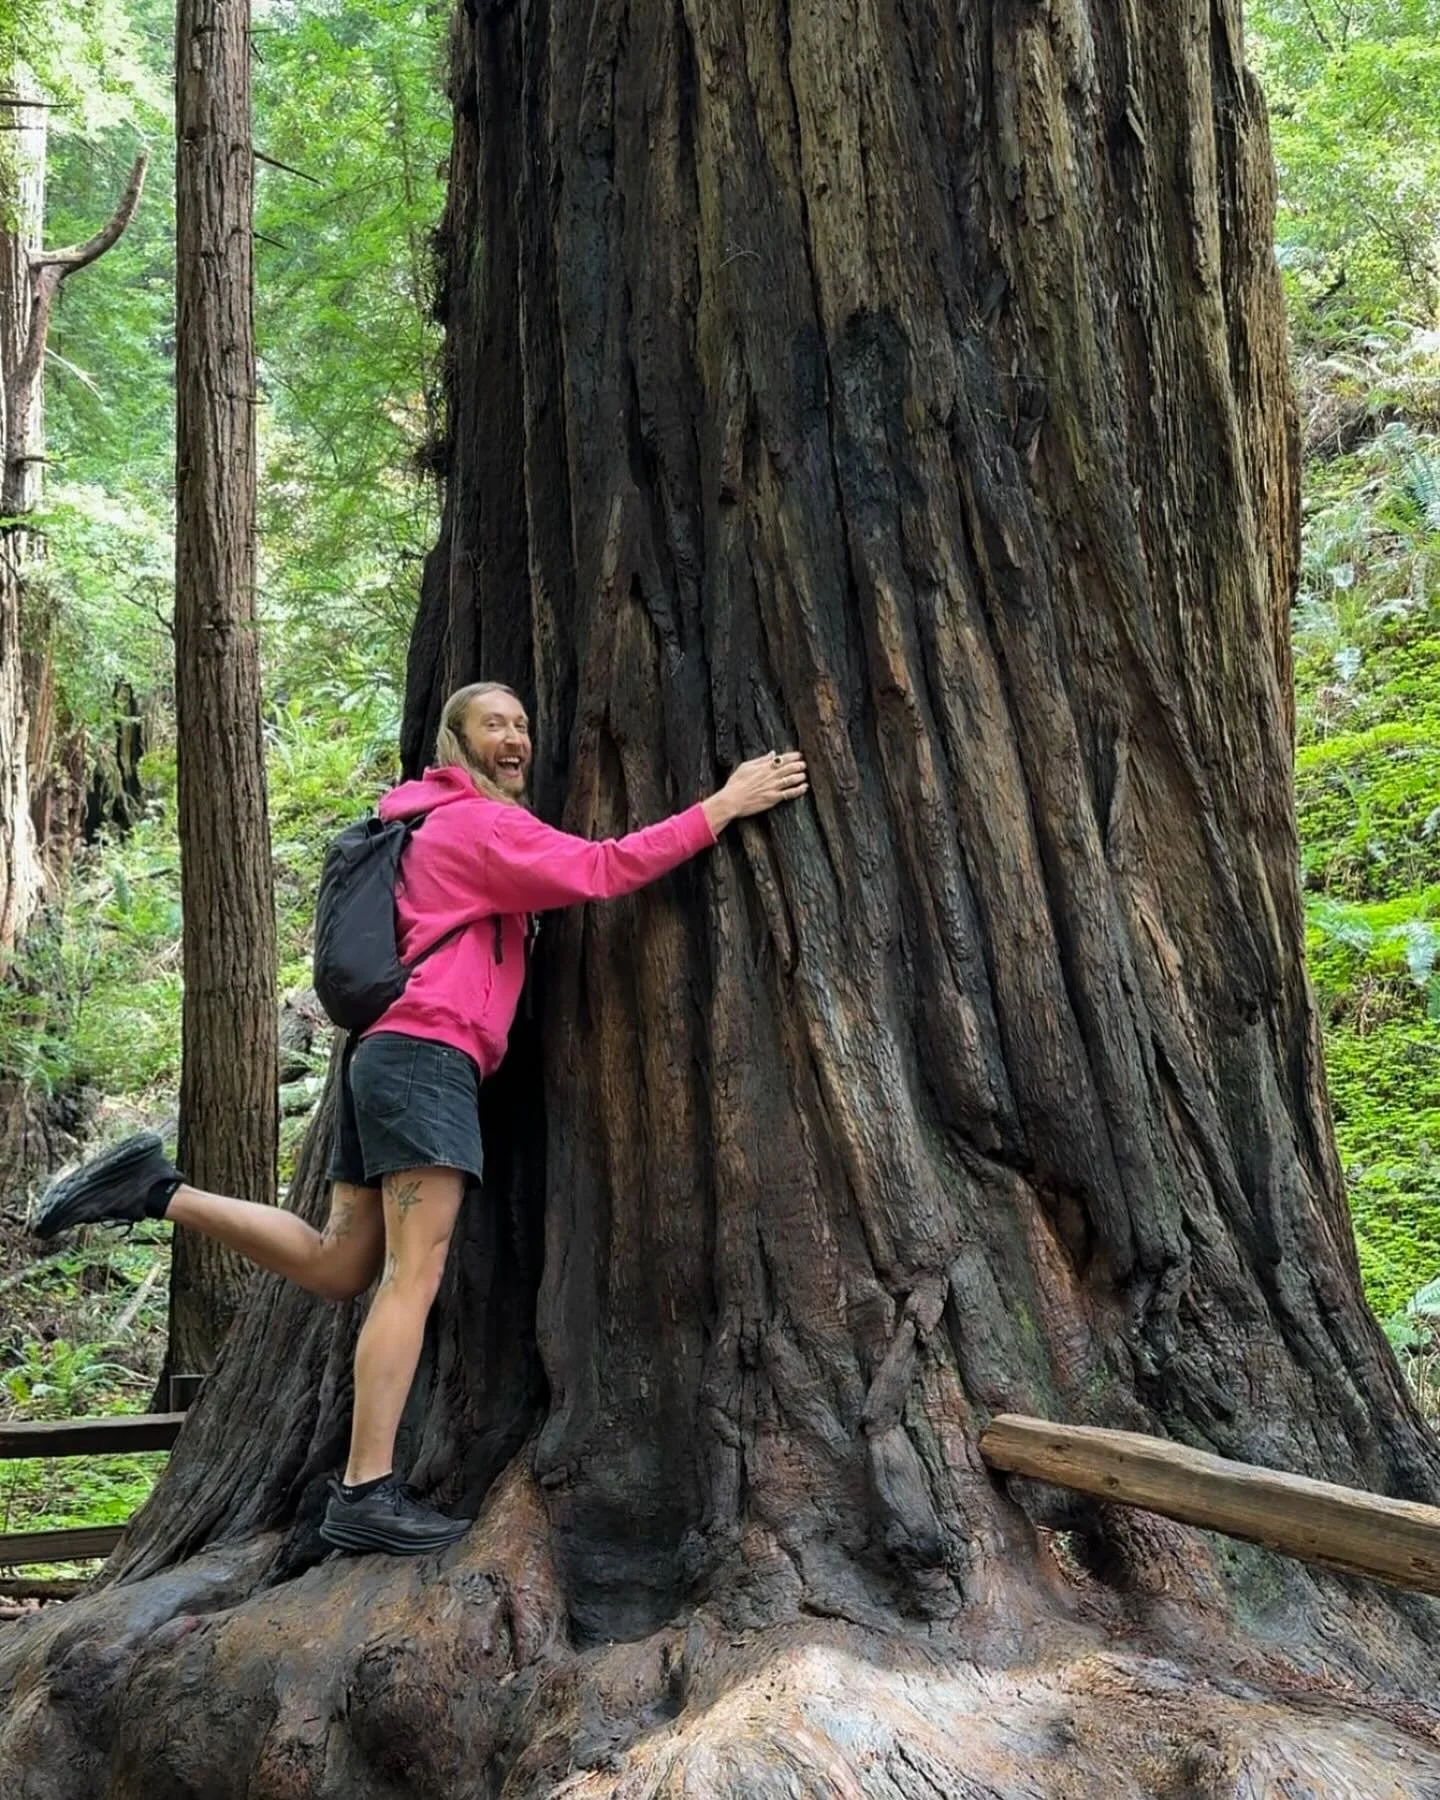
40,1494
50,1493
97,1287
1385,1091
348,363
95,998
106,593
95,995
330,757
56,1380
104,589
348,383
83,1330
348,391
1414,1334
351,97
1412,1328
1366,625
87,56
1367,662
1367,639
1354,94
1368,963
1368,801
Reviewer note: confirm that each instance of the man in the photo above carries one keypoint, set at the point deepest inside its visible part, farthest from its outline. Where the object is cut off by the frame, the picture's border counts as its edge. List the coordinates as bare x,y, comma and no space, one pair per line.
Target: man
407,1136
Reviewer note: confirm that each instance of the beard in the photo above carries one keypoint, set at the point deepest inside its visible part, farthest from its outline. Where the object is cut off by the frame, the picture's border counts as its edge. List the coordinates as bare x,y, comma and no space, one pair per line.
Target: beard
501,784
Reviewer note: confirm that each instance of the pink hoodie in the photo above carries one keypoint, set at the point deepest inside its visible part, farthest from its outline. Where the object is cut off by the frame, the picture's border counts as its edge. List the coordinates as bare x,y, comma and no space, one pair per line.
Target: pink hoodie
480,863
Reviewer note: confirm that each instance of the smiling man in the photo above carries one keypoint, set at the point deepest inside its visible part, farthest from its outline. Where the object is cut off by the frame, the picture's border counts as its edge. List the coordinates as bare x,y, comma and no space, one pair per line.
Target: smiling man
495,739
407,1138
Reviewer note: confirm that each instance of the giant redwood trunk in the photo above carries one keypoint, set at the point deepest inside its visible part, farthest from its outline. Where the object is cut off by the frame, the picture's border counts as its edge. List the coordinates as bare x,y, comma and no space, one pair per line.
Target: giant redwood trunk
905,382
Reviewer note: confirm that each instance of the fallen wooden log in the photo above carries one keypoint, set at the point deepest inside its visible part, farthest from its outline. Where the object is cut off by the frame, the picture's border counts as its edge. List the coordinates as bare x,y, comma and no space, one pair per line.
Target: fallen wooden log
1396,1541
25,1587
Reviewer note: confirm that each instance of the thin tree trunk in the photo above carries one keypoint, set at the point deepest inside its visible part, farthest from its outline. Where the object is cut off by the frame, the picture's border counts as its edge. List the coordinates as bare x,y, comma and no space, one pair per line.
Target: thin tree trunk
228,1105
907,383
39,783
22,219
30,278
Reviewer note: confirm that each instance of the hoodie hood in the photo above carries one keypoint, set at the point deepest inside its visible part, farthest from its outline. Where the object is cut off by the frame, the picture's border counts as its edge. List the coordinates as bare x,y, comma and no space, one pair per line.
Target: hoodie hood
436,787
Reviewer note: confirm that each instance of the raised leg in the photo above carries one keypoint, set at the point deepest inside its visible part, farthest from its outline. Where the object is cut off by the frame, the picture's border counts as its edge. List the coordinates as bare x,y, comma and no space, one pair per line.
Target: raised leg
336,1263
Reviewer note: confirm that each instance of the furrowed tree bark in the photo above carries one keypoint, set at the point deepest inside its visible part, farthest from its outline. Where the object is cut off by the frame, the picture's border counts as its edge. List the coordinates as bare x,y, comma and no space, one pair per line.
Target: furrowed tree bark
228,1085
907,383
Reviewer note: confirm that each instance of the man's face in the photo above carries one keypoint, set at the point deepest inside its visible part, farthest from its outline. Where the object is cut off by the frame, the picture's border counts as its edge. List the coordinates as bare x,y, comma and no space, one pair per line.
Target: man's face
498,734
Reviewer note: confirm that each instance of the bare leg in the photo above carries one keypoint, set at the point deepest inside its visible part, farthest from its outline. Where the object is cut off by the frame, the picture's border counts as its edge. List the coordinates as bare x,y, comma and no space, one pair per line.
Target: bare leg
336,1263
420,1210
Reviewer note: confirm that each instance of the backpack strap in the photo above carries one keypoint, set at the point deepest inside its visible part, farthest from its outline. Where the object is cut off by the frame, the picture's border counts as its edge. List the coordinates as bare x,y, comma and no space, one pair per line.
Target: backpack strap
439,943
412,825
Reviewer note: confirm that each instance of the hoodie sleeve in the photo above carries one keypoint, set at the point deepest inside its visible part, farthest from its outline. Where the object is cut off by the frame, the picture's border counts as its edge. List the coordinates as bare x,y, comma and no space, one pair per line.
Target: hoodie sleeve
531,867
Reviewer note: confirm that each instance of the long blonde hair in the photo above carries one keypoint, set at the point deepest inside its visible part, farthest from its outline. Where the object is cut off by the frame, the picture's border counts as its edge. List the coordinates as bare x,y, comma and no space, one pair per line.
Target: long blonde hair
452,749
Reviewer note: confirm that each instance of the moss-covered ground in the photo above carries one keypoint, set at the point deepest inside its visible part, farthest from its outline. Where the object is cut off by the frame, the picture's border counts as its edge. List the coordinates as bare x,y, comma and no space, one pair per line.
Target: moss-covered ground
1367,662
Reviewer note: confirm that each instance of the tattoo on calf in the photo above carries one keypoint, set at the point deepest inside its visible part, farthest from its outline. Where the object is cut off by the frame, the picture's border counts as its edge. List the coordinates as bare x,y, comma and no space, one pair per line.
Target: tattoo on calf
389,1271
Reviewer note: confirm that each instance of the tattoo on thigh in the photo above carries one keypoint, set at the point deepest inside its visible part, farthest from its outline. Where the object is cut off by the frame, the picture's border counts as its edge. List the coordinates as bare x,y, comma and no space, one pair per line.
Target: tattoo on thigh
405,1194
341,1221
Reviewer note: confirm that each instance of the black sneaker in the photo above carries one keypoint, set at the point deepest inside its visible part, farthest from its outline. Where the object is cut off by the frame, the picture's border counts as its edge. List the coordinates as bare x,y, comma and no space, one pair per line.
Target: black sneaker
133,1181
389,1518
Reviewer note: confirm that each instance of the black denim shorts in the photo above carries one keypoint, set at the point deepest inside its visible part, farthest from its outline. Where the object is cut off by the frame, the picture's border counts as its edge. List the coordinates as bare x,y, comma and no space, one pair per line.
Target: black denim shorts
406,1103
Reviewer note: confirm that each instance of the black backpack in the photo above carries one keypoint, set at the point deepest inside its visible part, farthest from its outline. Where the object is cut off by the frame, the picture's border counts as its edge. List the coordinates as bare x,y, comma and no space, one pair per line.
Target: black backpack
358,971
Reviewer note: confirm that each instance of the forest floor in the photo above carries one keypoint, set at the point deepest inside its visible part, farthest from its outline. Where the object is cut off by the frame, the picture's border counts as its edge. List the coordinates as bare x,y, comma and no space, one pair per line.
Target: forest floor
84,1324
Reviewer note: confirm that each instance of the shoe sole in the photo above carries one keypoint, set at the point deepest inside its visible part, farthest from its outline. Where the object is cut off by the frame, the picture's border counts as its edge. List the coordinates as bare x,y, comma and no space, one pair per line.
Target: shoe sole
344,1537
116,1163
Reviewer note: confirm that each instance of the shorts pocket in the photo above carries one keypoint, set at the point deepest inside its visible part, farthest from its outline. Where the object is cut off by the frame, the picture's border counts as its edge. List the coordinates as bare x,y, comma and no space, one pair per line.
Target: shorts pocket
382,1075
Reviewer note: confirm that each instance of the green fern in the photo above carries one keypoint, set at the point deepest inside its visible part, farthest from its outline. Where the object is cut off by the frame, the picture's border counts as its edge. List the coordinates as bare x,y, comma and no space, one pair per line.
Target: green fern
1422,479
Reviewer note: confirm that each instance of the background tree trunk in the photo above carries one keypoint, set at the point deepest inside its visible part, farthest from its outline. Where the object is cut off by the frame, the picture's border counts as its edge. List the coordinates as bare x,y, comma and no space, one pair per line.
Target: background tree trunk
30,278
39,779
228,1105
114,795
22,220
908,384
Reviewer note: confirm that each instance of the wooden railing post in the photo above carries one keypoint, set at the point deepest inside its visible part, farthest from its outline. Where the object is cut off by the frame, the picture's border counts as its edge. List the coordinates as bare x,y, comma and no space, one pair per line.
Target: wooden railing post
119,1435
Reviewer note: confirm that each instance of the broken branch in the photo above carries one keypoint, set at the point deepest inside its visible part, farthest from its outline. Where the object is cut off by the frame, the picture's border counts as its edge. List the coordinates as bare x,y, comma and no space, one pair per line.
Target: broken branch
78,255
